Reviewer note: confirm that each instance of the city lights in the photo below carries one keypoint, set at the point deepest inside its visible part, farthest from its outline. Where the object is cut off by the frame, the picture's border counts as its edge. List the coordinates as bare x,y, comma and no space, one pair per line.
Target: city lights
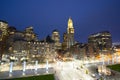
24,54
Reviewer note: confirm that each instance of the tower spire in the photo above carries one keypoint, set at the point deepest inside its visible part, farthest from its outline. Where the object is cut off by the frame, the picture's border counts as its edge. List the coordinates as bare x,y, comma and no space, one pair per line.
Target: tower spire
70,23
70,28
70,33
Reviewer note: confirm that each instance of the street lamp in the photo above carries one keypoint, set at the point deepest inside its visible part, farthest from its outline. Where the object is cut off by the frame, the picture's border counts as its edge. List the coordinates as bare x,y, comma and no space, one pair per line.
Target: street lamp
113,55
116,58
46,62
36,65
12,59
24,59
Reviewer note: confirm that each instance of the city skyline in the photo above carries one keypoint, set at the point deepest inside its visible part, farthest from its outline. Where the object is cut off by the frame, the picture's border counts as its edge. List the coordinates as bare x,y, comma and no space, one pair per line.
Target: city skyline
88,16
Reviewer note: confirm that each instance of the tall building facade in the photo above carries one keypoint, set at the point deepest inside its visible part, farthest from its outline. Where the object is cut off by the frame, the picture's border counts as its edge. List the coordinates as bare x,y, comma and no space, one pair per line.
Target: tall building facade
56,38
64,44
102,40
17,42
68,37
29,34
3,29
70,33
3,36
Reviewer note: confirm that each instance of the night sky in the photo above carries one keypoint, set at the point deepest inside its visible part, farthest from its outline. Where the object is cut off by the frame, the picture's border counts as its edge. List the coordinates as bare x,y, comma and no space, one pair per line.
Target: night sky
89,16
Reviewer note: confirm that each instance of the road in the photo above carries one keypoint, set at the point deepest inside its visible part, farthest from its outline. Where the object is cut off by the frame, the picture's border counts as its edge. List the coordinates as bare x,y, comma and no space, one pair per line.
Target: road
69,71
63,70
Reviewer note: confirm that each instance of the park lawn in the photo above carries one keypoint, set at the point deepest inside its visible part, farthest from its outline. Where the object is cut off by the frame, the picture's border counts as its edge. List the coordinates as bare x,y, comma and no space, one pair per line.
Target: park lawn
40,77
115,67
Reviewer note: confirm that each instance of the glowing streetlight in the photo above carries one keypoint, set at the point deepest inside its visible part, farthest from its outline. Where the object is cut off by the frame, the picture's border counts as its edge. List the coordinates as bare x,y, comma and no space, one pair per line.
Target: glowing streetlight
46,66
24,59
36,65
112,59
12,59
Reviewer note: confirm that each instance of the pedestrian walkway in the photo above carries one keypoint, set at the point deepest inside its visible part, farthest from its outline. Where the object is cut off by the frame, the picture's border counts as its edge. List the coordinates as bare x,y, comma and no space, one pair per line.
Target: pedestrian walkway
28,72
114,75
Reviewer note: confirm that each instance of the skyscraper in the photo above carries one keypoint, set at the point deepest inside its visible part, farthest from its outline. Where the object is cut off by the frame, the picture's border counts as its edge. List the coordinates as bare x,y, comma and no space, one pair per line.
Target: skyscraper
3,36
70,33
3,28
56,38
29,34
103,40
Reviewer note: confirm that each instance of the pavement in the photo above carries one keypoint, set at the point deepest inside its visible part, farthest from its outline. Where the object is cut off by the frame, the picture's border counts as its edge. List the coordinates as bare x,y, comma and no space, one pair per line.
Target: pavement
93,66
61,70
28,72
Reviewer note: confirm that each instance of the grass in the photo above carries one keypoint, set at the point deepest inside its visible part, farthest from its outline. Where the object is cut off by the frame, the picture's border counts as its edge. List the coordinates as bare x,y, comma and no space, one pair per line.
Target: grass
115,67
40,77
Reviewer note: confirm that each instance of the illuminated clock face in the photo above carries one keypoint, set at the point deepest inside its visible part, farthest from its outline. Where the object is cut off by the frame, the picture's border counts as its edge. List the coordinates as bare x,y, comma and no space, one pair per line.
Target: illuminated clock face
72,30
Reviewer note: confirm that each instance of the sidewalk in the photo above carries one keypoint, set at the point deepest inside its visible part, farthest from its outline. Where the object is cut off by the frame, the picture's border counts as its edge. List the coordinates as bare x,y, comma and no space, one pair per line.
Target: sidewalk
114,76
28,72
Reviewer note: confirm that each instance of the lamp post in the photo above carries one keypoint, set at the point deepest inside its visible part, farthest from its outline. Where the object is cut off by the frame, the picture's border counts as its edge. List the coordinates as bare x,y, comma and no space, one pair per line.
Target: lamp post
12,59
113,55
24,60
46,63
112,59
36,59
36,65
116,58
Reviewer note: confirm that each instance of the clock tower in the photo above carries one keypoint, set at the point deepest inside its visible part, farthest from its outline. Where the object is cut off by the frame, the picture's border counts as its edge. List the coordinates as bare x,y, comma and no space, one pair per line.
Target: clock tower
70,33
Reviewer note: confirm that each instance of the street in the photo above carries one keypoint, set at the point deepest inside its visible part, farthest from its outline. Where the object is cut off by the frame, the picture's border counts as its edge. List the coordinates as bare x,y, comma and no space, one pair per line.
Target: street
69,71
72,70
